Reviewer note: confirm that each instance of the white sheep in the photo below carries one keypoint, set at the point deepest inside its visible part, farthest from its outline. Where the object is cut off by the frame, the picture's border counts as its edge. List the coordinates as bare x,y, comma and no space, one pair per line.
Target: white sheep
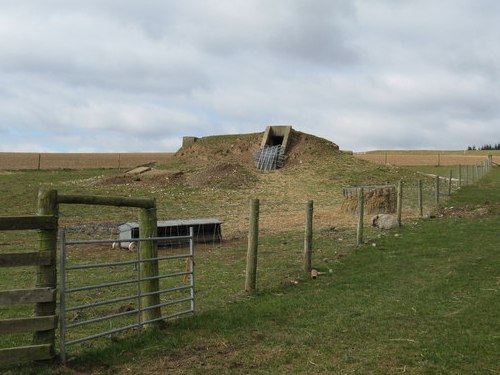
385,221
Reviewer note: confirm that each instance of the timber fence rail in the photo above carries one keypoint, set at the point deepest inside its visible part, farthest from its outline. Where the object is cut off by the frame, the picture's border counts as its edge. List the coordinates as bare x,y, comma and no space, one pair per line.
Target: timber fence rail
44,323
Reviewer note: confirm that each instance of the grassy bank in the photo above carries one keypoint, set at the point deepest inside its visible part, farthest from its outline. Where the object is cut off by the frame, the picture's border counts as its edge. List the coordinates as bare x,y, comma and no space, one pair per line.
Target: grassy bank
421,300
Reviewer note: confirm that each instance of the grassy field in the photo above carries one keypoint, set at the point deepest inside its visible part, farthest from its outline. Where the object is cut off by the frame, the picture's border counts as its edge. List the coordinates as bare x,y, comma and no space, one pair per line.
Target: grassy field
420,300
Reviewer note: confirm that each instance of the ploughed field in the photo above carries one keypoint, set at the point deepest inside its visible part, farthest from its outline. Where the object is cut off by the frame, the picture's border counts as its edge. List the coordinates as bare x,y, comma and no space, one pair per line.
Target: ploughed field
437,158
33,160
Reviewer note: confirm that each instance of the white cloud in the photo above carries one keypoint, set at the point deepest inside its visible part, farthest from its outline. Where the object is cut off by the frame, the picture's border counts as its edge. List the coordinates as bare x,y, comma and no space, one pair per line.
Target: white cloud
363,73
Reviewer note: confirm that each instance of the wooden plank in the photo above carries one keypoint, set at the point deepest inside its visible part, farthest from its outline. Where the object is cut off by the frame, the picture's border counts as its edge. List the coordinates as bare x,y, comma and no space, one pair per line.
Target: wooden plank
38,323
21,296
34,258
28,222
107,201
26,353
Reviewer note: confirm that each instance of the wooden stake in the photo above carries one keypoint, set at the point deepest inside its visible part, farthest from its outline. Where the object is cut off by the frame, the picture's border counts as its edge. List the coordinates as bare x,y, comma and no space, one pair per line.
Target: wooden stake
420,198
149,269
361,203
253,244
308,238
47,274
399,208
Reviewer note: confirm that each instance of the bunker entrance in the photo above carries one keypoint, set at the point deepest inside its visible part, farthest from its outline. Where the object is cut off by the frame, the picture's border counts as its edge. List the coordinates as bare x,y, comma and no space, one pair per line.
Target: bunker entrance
273,148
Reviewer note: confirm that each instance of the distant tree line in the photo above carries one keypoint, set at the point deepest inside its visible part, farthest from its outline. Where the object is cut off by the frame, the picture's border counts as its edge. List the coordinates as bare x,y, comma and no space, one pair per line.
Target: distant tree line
484,147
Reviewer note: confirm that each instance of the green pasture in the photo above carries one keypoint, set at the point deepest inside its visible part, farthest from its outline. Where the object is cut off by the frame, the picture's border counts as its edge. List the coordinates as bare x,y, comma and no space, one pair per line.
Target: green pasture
423,299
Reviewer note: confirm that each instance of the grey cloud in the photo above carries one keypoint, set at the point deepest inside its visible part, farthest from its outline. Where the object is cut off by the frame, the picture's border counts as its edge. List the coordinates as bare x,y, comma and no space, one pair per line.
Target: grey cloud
379,74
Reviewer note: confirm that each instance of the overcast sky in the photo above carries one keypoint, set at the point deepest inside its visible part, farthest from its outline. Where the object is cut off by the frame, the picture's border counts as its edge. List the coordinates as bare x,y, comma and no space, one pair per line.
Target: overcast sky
129,75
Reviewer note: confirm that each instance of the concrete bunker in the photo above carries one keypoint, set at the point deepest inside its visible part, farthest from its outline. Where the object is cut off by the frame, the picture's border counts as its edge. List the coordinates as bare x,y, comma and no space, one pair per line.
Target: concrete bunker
273,147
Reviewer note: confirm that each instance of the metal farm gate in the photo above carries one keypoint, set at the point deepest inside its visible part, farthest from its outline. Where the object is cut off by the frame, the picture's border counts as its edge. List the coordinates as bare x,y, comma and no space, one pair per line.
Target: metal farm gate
103,299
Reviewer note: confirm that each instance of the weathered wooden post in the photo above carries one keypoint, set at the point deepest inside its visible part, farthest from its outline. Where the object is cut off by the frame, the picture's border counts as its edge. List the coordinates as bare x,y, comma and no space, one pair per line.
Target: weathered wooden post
460,176
47,274
420,200
467,175
149,267
437,190
253,244
308,238
450,178
361,209
399,205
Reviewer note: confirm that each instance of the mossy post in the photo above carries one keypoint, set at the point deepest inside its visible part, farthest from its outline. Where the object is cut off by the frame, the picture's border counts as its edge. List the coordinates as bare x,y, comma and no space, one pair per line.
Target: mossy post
361,209
149,268
253,244
308,238
399,206
420,200
47,274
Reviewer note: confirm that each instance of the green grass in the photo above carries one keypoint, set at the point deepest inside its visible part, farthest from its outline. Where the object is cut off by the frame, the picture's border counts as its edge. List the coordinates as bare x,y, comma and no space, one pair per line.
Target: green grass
423,300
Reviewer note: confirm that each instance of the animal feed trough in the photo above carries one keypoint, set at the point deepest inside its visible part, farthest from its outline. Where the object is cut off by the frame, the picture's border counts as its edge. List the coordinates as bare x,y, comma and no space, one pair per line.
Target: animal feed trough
205,231
378,199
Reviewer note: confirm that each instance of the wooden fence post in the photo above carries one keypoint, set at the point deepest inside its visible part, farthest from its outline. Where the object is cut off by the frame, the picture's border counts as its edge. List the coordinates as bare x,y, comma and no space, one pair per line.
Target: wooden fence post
47,274
361,209
149,269
308,238
420,200
437,190
467,175
449,182
459,176
399,207
253,244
